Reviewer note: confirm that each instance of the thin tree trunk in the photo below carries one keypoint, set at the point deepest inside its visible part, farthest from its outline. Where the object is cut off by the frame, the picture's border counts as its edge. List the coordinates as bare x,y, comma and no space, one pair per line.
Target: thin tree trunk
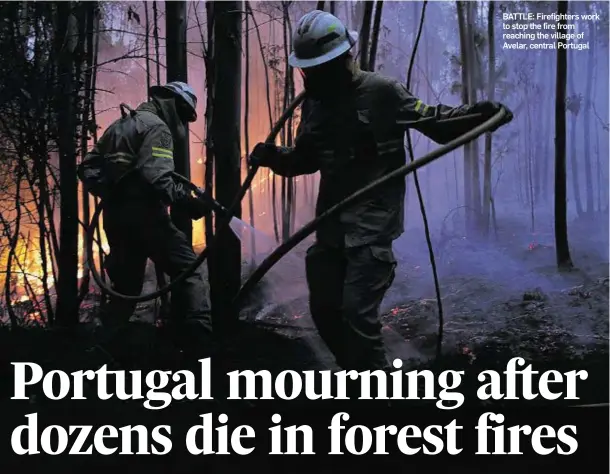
564,261
365,33
209,108
67,286
159,275
90,12
491,88
467,170
177,70
590,208
246,131
156,37
225,261
574,171
375,37
473,74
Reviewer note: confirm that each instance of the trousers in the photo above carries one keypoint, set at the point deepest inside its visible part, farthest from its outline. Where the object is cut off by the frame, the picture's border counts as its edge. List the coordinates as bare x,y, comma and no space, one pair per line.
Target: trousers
138,231
346,288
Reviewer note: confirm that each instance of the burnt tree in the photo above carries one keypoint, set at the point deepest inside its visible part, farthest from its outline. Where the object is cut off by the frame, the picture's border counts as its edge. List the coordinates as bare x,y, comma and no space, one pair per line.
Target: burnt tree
67,284
175,32
564,261
225,259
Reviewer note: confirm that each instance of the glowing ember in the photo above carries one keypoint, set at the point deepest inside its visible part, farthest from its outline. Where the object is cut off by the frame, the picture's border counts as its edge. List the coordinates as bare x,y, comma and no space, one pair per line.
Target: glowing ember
397,311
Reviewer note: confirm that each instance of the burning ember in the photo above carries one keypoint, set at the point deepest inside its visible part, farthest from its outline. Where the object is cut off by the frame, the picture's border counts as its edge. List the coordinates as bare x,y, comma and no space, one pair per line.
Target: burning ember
398,310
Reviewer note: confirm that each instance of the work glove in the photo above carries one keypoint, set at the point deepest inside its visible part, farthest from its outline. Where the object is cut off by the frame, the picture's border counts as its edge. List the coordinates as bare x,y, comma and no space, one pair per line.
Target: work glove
264,154
488,109
197,208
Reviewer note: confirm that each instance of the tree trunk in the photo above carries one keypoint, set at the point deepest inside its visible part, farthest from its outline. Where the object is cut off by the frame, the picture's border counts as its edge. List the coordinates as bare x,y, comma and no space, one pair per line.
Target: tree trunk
465,100
246,131
67,285
90,9
375,36
225,274
574,171
491,88
156,37
175,33
208,178
587,120
473,74
564,261
365,32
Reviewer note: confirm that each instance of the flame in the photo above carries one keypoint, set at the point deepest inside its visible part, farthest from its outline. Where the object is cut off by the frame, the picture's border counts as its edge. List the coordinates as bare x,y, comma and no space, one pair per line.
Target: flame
28,281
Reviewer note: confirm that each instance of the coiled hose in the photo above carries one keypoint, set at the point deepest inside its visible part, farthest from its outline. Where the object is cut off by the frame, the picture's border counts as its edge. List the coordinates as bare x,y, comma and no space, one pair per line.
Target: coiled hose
225,218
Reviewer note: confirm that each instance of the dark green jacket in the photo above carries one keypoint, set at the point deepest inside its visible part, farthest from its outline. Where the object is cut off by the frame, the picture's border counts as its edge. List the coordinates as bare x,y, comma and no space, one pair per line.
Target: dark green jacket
356,138
142,142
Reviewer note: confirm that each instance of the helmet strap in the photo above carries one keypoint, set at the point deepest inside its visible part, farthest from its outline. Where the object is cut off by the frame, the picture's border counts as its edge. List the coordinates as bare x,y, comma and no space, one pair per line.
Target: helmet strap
349,38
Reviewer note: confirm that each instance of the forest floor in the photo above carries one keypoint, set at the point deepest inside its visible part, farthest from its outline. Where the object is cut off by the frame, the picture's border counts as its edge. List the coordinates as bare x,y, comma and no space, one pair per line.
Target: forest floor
499,301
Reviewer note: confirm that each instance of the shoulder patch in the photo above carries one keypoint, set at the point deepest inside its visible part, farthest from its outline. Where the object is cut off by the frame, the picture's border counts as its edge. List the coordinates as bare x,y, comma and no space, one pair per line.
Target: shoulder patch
165,139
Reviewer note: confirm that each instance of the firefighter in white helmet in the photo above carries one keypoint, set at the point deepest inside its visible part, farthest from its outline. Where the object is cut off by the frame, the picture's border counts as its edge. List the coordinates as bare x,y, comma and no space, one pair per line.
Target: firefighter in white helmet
352,132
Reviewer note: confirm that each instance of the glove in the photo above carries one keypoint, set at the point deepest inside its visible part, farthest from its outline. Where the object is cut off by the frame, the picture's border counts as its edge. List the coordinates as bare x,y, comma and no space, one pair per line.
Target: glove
488,109
263,154
197,208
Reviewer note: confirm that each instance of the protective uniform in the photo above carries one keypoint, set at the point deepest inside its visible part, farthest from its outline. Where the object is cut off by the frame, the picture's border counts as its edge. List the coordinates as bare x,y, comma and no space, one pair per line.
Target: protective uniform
353,134
130,167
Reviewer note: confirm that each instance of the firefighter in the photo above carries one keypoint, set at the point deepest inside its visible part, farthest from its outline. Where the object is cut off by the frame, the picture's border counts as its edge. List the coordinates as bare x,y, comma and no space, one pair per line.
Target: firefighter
130,168
352,132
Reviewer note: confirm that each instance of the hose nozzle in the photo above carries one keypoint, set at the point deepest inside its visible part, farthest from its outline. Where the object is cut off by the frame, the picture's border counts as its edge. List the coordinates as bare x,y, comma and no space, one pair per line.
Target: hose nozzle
209,200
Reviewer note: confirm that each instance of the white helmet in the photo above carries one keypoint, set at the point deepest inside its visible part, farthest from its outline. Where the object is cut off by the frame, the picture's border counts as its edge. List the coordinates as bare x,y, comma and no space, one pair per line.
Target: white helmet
182,90
319,38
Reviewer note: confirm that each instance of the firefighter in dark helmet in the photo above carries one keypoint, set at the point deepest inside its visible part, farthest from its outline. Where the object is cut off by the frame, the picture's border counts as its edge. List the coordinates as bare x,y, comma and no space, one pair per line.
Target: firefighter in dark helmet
352,132
131,168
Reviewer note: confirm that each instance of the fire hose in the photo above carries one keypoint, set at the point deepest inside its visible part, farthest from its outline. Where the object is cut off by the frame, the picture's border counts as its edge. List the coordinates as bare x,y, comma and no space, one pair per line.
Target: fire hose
224,214
302,233
401,172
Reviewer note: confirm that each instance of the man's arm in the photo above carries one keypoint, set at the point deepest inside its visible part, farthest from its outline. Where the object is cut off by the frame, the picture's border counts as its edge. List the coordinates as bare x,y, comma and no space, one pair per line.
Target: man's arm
156,164
298,160
410,109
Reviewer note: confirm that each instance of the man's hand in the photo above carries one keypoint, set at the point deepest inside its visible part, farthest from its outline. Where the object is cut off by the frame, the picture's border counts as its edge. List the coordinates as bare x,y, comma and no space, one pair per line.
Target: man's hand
197,208
488,109
263,155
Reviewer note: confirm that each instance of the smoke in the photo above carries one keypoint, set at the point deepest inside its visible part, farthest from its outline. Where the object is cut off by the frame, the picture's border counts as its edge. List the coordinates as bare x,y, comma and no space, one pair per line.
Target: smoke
518,254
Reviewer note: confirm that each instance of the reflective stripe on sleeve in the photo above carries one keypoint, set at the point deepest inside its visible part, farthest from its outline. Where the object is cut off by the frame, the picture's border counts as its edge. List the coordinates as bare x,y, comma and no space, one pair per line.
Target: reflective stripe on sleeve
162,152
419,104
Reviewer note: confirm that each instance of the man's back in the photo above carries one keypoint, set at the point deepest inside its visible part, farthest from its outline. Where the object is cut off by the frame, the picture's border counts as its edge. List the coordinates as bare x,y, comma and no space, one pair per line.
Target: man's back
133,159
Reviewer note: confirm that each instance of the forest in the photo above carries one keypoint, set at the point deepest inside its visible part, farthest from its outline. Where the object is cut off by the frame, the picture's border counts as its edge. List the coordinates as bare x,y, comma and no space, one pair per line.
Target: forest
506,243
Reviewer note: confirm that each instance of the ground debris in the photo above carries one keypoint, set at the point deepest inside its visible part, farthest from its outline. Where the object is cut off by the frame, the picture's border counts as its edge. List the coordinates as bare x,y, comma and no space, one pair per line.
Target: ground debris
534,295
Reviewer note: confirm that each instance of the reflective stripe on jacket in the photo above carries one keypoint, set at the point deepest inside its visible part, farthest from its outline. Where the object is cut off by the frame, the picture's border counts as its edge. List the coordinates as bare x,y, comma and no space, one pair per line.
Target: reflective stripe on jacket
141,143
